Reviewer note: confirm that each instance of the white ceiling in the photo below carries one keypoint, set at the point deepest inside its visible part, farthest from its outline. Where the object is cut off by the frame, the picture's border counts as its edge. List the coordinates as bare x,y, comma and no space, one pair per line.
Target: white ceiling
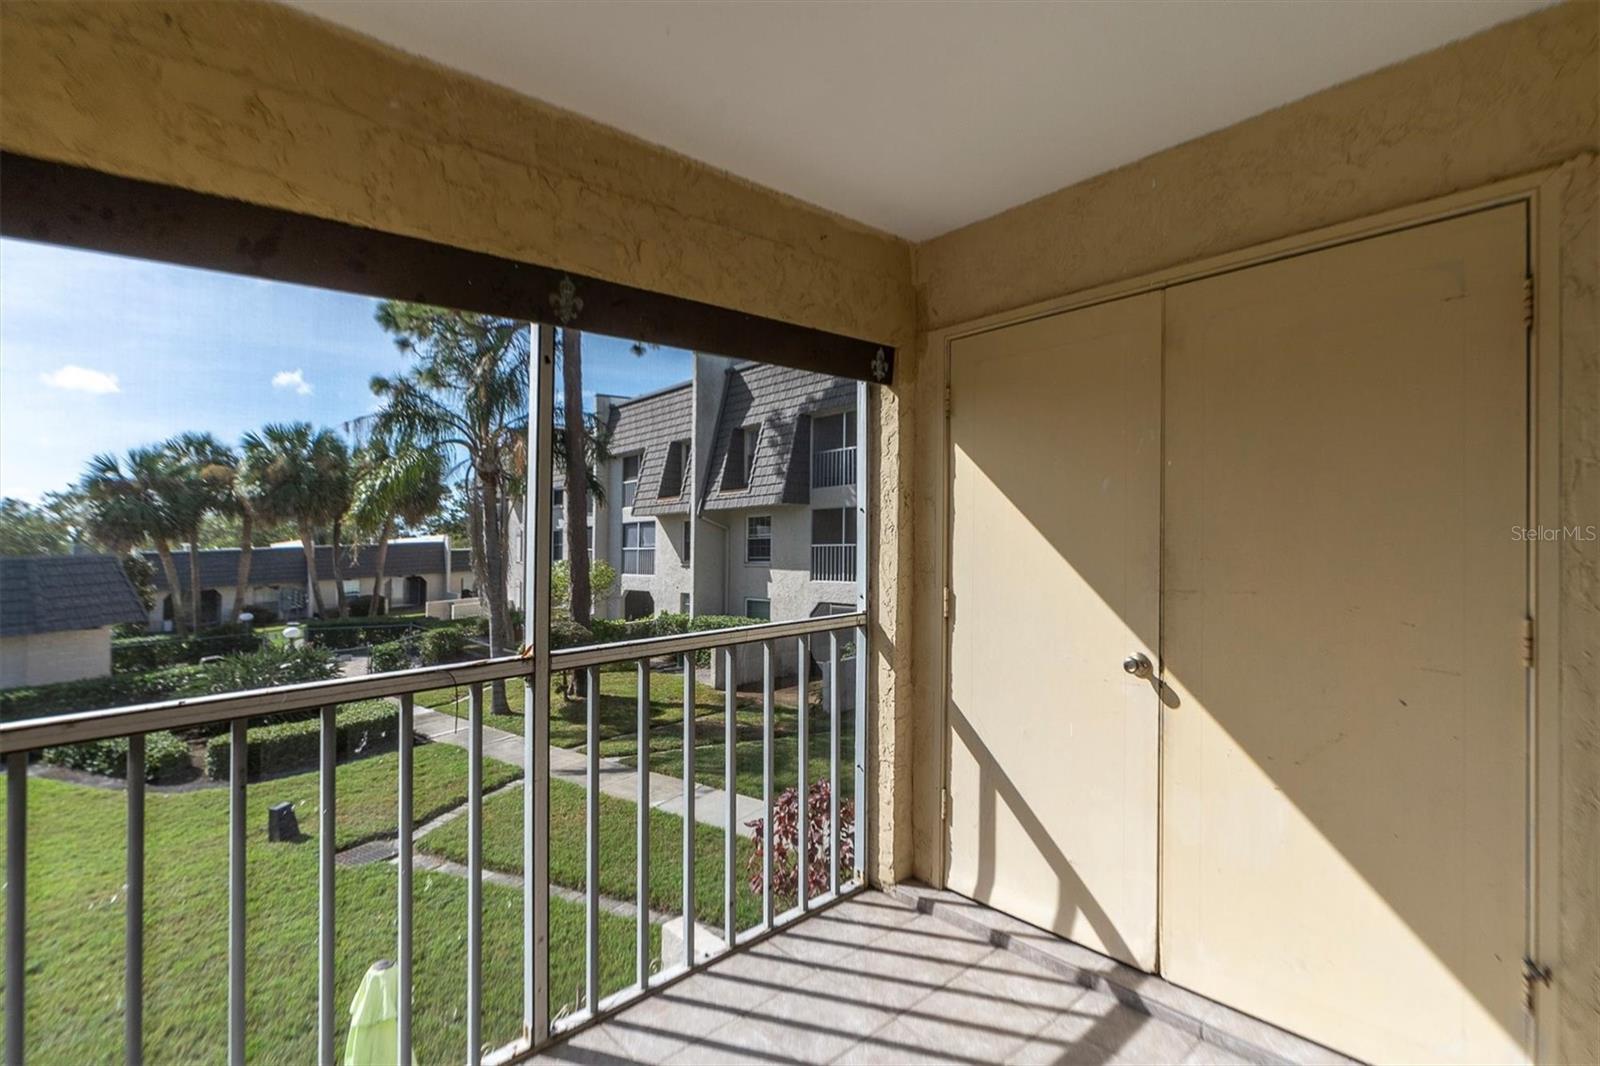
917,117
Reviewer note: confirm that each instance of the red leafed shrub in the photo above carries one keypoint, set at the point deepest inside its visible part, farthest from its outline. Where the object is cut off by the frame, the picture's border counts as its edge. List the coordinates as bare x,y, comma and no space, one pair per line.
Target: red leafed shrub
785,844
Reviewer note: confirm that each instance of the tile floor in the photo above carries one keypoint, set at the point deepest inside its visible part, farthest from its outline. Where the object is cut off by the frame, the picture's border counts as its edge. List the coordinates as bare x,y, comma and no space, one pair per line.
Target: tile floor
873,980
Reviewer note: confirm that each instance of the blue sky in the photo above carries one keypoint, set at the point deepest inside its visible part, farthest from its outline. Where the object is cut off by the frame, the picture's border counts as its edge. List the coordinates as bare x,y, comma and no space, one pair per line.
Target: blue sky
99,353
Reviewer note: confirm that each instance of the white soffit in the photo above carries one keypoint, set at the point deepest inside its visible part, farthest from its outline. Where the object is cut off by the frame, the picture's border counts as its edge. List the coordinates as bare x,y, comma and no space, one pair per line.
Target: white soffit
917,117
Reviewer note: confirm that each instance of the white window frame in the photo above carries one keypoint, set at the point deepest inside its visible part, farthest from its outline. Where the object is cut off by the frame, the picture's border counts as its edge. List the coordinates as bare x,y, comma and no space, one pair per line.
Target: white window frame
749,537
639,549
748,613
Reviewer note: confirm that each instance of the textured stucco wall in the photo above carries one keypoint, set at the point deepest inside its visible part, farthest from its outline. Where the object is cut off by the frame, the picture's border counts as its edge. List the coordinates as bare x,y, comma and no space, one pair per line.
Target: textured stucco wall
49,658
261,103
1579,967
1512,99
1515,99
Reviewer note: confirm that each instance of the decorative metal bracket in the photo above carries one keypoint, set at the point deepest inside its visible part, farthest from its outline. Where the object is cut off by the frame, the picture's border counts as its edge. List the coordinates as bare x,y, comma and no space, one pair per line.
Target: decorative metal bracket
566,302
880,366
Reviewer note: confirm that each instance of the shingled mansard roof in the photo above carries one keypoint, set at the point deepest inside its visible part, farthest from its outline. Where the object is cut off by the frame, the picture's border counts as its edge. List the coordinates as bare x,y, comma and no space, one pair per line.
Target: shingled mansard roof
55,593
651,424
286,564
781,401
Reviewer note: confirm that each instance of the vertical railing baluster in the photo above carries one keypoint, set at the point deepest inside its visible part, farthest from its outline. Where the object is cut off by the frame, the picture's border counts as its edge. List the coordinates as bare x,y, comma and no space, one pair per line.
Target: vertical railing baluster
730,780
133,935
475,873
403,901
803,819
833,762
536,691
859,562
328,751
860,805
16,901
768,896
688,809
591,846
641,889
238,766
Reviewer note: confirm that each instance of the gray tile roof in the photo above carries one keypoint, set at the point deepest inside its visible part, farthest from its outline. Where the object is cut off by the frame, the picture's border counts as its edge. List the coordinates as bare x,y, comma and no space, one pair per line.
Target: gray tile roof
286,565
781,401
53,593
649,425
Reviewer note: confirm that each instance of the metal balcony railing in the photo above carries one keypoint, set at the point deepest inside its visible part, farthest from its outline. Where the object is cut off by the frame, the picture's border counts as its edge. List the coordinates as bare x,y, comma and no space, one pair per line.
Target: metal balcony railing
833,562
833,466
20,739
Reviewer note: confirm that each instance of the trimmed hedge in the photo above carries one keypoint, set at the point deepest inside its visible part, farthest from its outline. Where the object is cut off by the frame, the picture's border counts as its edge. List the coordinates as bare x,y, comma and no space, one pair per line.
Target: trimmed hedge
443,645
395,655
165,757
129,654
270,666
372,725
90,694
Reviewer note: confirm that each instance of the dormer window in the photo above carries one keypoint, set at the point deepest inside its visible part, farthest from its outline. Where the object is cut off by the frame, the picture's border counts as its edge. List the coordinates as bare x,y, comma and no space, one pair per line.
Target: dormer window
675,472
630,478
741,457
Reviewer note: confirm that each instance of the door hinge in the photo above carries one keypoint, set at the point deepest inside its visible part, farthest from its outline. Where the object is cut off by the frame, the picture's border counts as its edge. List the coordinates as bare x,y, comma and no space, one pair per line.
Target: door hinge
947,401
947,603
1533,976
1527,642
944,805
1527,301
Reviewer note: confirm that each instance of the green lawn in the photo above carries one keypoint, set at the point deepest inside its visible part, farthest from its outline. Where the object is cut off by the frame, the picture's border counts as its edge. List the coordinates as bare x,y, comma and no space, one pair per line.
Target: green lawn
75,922
619,720
502,850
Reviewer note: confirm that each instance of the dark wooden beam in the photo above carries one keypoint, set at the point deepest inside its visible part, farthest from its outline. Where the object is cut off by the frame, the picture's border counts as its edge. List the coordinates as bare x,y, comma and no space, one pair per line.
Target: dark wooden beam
67,205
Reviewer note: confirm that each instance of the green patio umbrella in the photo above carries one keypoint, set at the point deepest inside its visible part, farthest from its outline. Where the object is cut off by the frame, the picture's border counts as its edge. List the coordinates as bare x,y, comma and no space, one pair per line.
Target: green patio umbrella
374,1019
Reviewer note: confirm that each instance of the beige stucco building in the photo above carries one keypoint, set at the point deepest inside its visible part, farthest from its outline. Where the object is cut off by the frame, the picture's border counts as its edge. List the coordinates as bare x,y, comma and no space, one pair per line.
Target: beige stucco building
57,613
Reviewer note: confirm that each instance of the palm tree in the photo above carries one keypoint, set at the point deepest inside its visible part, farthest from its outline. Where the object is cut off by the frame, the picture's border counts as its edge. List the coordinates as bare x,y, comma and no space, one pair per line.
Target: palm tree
394,481
233,498
129,505
298,474
577,475
201,463
466,395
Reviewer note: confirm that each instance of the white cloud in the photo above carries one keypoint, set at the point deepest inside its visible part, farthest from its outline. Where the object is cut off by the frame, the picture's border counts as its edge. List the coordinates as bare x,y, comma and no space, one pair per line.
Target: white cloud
292,379
81,379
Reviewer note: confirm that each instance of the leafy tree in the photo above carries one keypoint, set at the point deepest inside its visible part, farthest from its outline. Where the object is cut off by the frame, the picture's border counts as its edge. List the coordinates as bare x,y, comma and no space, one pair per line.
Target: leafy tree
602,579
296,473
395,482
130,503
466,393
29,530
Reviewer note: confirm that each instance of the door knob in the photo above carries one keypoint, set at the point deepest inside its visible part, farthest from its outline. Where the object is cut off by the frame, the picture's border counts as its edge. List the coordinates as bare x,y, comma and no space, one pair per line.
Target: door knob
1138,665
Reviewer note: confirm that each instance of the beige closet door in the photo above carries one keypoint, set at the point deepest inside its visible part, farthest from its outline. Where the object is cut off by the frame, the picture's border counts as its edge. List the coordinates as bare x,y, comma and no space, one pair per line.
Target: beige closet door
1344,778
1055,433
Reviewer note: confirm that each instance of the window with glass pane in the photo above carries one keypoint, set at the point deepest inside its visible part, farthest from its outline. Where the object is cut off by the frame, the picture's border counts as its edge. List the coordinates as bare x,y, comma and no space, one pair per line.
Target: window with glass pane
630,478
758,540
688,539
758,609
639,547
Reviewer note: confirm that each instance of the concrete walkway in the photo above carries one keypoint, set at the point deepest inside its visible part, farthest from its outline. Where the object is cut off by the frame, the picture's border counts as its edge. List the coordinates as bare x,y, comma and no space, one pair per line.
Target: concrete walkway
616,778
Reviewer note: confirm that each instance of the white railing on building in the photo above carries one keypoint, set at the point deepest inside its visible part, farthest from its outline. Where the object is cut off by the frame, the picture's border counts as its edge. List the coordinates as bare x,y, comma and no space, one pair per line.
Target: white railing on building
833,466
20,739
833,562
